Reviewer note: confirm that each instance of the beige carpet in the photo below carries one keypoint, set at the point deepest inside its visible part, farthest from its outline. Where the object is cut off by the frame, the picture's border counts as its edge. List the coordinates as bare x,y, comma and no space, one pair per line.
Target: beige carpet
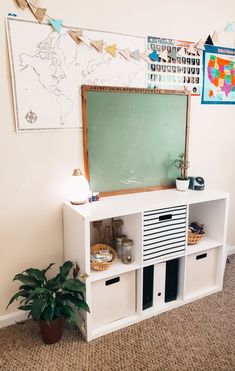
198,336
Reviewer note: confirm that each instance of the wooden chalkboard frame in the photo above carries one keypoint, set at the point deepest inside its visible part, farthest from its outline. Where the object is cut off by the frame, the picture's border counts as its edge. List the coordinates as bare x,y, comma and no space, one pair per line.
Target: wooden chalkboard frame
86,88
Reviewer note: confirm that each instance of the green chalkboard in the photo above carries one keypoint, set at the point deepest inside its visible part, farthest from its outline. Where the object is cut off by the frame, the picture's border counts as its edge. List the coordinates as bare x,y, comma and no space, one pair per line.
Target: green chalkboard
132,137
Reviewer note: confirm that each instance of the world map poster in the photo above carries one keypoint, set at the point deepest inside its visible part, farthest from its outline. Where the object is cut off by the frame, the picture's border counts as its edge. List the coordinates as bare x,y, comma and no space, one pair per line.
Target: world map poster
218,75
48,69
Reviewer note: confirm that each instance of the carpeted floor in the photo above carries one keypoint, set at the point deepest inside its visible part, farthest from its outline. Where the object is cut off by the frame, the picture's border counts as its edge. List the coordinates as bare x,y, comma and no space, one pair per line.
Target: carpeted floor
197,336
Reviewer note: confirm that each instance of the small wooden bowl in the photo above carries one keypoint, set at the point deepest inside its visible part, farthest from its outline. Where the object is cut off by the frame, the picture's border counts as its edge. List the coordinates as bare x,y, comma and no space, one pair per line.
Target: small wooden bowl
101,266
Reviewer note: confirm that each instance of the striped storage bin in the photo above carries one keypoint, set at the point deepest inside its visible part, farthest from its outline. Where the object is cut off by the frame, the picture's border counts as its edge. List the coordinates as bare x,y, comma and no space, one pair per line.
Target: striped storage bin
164,232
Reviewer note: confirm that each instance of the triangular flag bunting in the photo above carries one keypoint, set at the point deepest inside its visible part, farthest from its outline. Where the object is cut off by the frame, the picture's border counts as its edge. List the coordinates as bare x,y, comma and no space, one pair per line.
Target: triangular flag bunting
22,3
85,40
34,3
200,45
56,23
75,36
229,27
191,49
209,41
163,55
111,49
145,55
215,37
135,55
172,54
154,56
98,45
39,14
181,52
126,54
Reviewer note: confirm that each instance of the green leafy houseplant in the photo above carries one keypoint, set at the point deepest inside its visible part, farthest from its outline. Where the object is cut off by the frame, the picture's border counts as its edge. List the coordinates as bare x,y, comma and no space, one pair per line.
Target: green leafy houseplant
183,164
50,300
182,182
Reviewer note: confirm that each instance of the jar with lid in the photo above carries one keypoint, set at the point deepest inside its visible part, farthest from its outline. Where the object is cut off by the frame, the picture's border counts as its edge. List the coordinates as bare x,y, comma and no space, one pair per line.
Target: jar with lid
118,244
127,251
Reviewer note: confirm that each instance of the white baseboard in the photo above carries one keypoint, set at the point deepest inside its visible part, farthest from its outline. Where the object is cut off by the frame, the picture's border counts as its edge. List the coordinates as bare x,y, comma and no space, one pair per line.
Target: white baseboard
231,250
13,318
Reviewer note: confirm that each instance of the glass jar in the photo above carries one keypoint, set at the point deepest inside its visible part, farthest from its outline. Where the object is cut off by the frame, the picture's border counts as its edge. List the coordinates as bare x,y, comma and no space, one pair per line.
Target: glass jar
118,244
108,236
127,251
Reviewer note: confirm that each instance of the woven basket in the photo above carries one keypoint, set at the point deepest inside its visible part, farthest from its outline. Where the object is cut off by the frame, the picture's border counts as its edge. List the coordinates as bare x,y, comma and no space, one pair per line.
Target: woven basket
194,238
97,266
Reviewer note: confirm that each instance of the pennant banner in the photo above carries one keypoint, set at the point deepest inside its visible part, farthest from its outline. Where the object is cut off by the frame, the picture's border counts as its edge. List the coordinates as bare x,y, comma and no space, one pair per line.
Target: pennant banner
22,3
98,45
111,49
75,36
56,24
126,54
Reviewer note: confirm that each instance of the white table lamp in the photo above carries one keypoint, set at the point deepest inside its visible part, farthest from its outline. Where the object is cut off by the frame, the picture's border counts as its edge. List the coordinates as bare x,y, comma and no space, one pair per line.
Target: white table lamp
79,188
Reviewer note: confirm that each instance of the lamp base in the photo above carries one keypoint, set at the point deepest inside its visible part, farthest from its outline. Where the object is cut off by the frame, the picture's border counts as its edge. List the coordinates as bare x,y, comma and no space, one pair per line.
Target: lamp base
78,202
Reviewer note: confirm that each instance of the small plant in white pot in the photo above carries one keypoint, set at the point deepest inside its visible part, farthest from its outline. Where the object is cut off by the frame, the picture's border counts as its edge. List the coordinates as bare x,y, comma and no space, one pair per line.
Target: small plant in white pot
182,182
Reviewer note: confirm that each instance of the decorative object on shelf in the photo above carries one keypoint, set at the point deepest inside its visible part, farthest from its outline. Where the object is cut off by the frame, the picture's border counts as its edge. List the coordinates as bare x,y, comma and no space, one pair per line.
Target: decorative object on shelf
118,244
78,188
102,256
195,233
127,253
116,227
50,301
196,183
95,196
108,235
182,183
98,225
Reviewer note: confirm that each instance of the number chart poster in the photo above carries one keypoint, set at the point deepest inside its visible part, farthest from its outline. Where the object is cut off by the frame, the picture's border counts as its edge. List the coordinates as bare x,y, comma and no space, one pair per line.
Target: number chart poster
180,69
218,75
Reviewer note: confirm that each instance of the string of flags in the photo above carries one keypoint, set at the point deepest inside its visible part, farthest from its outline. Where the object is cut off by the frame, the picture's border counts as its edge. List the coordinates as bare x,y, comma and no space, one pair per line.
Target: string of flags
100,46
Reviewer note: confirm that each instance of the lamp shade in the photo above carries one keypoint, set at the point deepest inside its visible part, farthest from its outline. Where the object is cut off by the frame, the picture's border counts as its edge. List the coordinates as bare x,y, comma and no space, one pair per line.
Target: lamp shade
78,188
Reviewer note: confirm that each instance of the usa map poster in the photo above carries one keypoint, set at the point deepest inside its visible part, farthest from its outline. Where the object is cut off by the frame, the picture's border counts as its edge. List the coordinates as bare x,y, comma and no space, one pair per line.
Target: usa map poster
218,75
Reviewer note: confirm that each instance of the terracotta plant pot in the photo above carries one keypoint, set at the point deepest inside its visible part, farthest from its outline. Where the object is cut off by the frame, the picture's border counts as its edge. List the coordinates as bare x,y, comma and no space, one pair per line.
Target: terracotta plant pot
51,331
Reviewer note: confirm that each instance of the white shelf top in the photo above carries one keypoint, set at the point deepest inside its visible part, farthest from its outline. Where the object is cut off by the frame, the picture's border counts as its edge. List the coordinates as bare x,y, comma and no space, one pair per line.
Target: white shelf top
113,206
205,244
115,270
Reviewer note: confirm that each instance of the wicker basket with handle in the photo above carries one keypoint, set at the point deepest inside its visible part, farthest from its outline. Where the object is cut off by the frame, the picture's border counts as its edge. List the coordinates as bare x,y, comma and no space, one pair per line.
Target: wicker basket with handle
194,238
101,266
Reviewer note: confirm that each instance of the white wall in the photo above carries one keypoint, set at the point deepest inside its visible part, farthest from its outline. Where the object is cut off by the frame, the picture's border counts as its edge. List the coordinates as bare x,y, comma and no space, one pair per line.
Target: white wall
33,166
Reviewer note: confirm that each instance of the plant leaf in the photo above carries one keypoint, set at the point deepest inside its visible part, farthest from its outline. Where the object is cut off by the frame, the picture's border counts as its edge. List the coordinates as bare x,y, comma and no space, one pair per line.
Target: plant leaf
38,307
36,273
26,280
26,287
67,312
25,307
80,304
65,269
73,285
54,282
22,293
48,313
49,267
73,297
38,291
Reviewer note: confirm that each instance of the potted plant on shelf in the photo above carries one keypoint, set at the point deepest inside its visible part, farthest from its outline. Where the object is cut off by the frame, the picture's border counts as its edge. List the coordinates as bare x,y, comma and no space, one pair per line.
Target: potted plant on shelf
182,182
50,301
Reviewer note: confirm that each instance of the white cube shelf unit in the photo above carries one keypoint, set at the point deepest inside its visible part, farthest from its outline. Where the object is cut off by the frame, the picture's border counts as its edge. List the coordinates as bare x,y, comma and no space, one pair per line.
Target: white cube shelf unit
166,272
